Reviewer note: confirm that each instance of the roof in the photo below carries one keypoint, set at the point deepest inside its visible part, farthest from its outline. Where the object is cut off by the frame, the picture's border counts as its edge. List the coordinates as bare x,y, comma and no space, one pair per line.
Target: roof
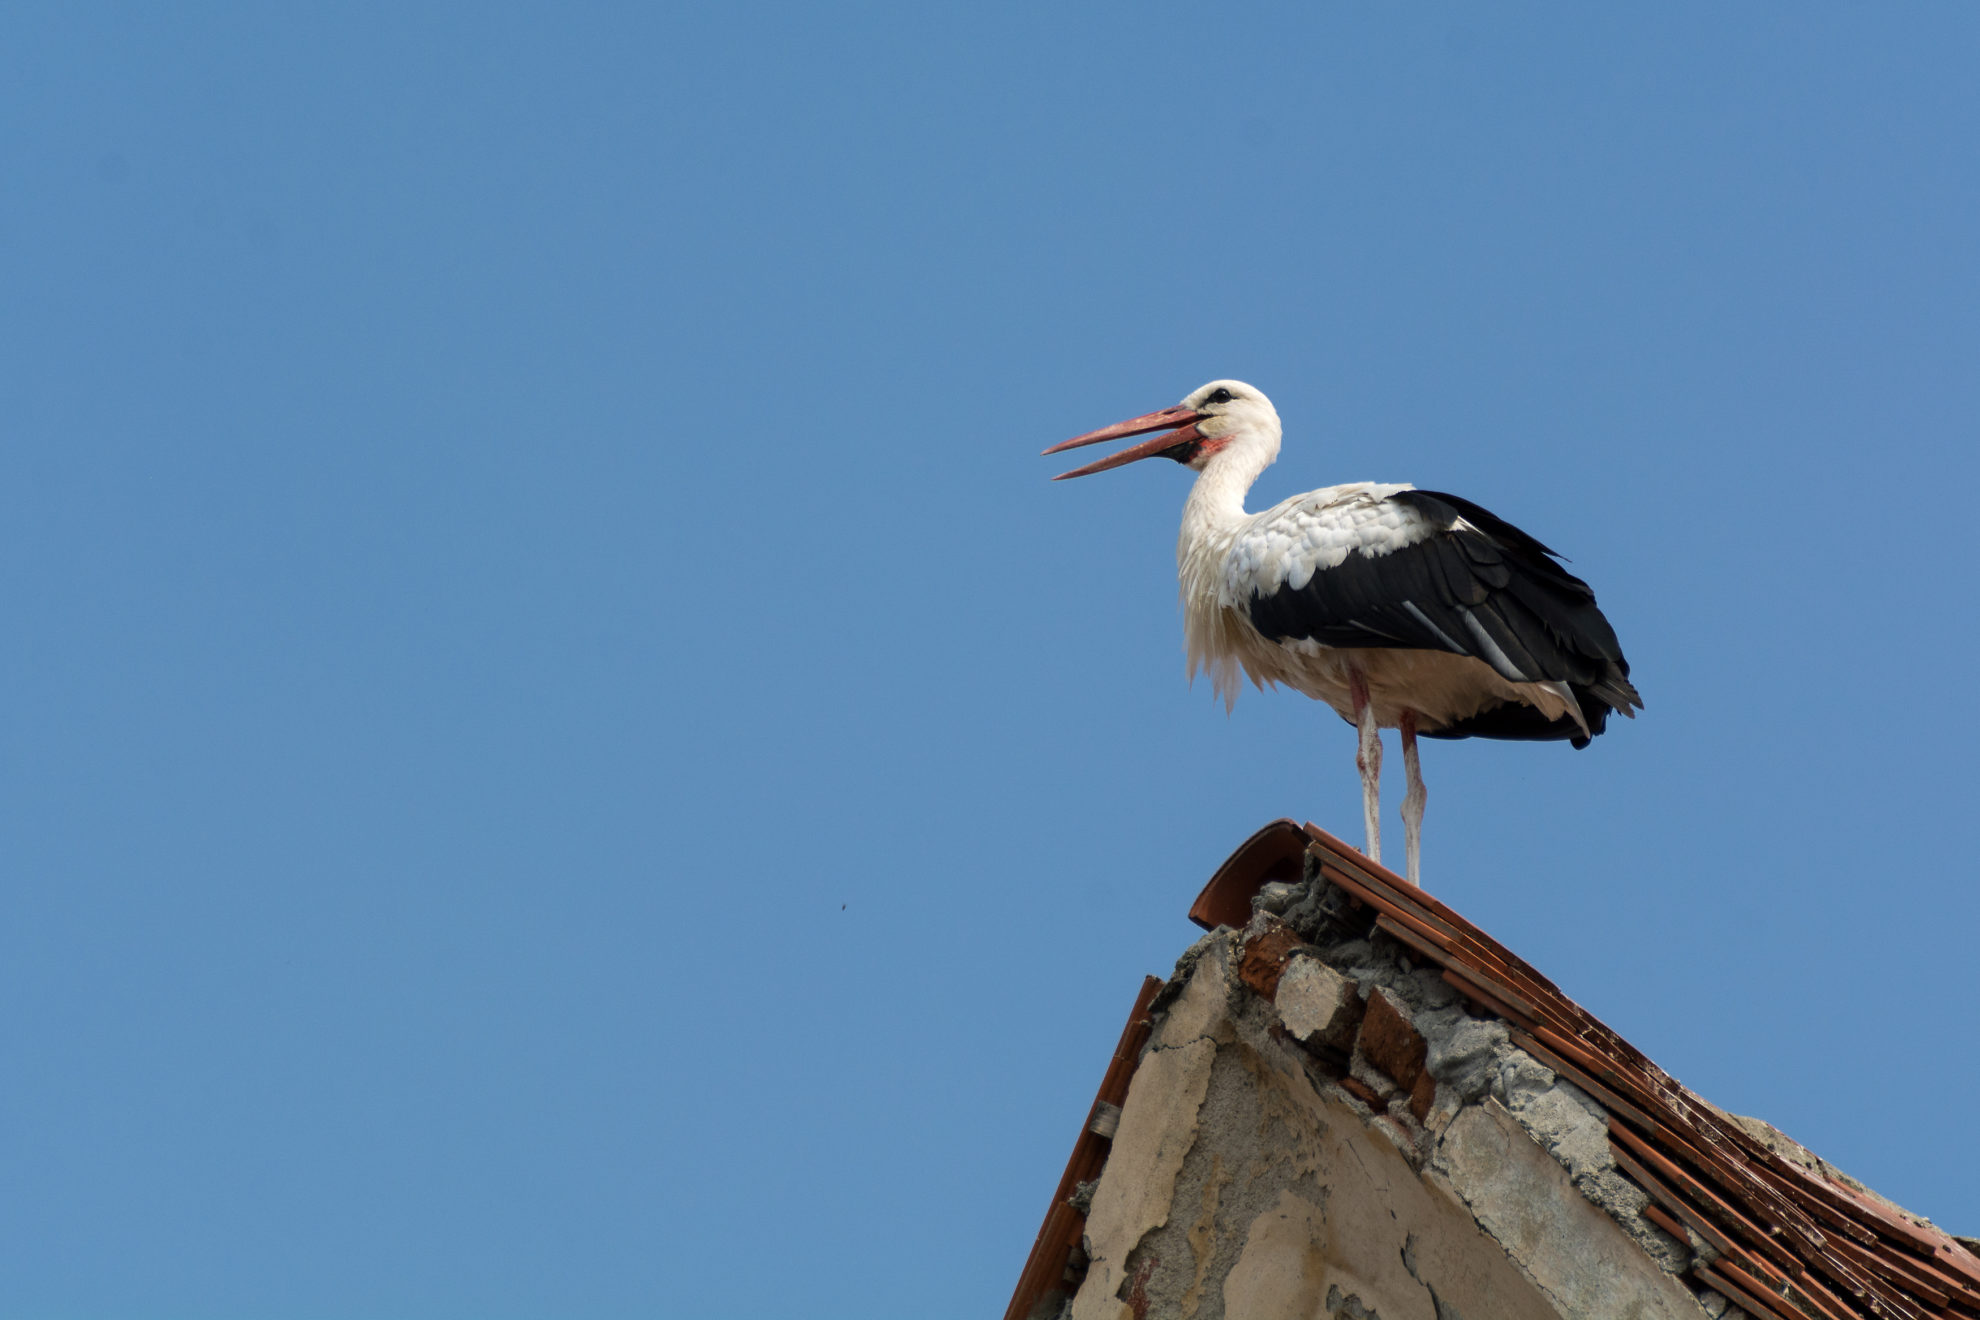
1778,1231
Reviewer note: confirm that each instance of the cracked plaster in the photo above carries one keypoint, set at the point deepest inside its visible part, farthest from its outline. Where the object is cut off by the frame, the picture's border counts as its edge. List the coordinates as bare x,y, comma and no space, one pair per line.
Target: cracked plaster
1252,1187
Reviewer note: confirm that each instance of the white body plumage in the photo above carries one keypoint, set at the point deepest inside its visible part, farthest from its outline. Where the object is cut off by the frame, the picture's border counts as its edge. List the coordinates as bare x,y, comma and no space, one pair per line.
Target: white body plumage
1224,561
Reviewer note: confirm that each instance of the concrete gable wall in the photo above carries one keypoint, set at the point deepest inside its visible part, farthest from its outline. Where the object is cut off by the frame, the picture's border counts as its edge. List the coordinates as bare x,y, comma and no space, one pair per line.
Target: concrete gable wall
1249,1180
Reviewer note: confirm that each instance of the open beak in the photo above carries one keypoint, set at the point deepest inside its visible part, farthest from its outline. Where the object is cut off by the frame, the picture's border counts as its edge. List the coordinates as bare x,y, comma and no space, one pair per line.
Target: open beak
1163,420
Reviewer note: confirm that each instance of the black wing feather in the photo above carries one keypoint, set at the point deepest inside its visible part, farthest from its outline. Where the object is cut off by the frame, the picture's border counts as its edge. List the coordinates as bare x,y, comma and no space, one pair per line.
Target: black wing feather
1476,574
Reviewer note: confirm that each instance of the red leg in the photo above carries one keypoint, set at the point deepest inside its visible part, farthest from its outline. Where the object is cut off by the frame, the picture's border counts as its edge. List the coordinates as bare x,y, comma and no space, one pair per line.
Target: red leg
1413,800
1368,759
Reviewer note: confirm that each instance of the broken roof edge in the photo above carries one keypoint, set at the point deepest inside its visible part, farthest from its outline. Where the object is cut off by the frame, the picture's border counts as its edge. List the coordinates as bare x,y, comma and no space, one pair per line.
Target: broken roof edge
1059,1235
1801,1214
1768,1224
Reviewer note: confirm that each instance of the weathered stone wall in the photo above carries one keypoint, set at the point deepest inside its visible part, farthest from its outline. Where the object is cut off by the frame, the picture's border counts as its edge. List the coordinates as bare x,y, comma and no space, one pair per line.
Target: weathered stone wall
1320,1129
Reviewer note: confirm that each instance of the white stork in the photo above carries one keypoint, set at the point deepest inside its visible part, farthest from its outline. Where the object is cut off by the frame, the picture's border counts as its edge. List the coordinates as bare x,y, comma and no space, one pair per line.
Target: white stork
1400,608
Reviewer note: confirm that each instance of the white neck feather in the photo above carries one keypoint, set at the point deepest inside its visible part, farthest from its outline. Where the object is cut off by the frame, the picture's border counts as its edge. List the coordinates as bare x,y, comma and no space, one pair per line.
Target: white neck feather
1211,521
1216,502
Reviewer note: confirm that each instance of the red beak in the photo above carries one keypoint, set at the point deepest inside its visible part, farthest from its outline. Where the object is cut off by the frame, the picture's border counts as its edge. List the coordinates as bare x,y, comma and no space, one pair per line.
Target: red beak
1163,420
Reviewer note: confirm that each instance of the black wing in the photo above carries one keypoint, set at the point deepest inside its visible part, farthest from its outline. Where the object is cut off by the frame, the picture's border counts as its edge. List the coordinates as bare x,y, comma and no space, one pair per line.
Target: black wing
1477,586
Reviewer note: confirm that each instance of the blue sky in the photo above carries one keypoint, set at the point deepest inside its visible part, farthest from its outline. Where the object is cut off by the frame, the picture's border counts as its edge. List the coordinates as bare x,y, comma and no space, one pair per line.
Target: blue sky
563,757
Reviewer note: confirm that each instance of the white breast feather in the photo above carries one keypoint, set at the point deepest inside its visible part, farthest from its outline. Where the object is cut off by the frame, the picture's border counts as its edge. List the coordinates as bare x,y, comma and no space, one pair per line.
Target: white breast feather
1290,542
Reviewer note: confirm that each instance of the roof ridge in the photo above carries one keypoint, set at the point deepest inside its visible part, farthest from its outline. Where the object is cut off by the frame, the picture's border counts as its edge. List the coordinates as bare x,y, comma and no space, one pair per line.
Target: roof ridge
1795,1240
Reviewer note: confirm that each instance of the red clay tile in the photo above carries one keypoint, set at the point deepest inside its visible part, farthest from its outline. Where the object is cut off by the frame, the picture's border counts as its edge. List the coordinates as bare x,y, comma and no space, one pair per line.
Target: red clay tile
1663,1219
1746,1300
1277,852
1063,1225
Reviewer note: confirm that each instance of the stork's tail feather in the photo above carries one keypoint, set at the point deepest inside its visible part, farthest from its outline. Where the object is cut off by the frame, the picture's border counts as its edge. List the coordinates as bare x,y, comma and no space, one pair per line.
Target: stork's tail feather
1515,721
1615,690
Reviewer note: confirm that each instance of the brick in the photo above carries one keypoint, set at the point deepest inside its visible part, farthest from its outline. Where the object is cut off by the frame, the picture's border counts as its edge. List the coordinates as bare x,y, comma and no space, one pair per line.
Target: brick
1268,943
1363,1092
1422,1096
1389,1041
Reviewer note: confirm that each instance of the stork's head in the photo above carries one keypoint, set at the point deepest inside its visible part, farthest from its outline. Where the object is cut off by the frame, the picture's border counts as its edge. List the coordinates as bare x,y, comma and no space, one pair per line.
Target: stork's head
1225,416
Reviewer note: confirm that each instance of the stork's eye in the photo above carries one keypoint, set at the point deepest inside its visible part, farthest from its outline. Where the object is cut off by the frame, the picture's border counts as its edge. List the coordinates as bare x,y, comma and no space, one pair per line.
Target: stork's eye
1221,395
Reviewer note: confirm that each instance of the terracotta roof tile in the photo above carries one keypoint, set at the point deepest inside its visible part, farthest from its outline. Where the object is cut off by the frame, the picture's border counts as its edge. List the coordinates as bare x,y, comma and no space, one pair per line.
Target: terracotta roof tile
1045,1268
